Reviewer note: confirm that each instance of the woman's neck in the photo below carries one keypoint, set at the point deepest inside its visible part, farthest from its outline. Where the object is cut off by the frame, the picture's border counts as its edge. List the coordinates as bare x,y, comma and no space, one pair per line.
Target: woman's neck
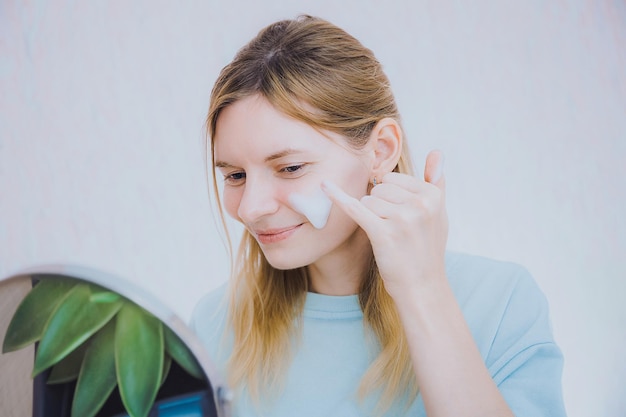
341,271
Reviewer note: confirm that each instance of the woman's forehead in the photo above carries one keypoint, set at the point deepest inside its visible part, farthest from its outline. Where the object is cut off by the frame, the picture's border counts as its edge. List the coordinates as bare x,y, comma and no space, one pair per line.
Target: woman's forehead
253,125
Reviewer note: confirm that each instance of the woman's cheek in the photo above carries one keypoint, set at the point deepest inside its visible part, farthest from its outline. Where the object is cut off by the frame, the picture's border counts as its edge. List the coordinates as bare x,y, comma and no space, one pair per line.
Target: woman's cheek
231,203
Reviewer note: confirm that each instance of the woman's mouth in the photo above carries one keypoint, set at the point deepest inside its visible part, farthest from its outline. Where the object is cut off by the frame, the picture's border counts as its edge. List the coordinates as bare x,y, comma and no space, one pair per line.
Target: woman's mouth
275,235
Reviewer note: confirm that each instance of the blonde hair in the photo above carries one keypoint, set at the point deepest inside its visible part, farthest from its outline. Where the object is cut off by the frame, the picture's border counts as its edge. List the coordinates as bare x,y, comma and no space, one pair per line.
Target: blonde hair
314,72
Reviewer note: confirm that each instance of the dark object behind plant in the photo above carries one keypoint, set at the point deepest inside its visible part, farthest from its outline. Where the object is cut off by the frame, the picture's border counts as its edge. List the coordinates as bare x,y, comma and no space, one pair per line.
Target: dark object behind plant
56,400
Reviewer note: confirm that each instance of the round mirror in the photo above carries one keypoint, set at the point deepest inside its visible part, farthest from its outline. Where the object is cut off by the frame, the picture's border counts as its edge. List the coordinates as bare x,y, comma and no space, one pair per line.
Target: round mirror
98,345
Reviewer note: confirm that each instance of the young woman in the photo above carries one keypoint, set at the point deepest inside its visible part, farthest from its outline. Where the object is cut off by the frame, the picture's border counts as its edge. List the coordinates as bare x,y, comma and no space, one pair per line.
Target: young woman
343,300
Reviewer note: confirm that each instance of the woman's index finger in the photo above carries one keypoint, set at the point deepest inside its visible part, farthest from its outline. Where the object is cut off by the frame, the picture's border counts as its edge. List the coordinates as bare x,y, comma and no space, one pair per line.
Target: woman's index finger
351,206
405,181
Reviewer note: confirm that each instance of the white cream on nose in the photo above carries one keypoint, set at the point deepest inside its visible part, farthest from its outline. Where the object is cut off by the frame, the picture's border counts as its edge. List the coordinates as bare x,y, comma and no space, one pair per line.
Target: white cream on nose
315,205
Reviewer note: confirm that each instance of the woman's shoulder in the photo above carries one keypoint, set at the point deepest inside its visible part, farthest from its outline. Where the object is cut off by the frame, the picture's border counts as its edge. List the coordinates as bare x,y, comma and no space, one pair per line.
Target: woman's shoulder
501,302
210,305
208,322
474,276
209,314
463,263
212,300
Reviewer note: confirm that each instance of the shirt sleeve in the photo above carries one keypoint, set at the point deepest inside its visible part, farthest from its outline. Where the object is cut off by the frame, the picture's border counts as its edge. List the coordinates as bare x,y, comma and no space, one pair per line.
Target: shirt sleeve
524,360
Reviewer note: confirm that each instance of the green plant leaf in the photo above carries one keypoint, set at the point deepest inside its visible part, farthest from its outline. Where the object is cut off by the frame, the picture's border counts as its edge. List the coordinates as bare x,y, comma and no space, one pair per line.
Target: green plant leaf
74,321
181,354
138,358
97,375
68,368
32,314
167,364
104,296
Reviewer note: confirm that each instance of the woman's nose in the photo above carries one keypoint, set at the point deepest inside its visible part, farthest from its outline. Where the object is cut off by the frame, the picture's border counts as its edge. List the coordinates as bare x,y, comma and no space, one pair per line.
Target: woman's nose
258,200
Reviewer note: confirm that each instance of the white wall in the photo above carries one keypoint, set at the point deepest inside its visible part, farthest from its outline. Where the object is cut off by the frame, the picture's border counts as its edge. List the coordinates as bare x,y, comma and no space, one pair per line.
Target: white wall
101,126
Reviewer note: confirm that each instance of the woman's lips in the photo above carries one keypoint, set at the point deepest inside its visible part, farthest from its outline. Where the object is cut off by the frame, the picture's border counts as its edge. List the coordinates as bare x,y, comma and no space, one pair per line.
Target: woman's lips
275,235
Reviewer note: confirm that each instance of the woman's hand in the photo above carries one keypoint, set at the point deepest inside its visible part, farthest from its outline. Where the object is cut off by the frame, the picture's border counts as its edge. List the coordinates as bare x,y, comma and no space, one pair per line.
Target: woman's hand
406,222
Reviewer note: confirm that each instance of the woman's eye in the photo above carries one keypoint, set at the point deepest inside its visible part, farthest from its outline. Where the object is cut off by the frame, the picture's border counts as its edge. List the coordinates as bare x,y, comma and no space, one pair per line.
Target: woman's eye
292,168
234,178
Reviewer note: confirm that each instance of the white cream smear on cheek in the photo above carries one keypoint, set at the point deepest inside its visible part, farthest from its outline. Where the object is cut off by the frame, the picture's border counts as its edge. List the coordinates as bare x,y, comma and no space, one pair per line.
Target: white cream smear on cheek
315,205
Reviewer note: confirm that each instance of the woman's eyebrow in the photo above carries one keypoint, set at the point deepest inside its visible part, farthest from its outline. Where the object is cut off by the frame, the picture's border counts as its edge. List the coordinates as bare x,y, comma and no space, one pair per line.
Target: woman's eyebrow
269,158
282,154
221,164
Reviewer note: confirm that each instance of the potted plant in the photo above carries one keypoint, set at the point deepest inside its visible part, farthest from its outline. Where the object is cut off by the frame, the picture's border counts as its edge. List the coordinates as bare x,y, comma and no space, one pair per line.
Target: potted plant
96,341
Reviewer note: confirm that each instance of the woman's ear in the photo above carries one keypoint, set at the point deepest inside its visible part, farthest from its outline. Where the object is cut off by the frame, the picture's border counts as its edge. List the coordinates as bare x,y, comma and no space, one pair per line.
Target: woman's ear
386,138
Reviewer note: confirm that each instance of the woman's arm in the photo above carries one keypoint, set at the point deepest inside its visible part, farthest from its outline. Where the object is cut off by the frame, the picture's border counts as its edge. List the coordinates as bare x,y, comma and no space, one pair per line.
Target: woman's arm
406,222
451,374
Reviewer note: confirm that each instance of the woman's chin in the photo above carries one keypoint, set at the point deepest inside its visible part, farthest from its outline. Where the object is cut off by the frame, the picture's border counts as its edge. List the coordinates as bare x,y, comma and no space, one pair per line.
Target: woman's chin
287,261
286,264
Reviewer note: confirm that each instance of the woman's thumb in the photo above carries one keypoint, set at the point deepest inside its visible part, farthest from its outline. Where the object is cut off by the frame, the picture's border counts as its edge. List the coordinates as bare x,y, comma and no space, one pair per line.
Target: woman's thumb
433,171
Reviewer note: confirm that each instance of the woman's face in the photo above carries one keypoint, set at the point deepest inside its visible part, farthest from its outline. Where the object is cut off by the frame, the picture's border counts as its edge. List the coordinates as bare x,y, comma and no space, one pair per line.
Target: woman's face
264,156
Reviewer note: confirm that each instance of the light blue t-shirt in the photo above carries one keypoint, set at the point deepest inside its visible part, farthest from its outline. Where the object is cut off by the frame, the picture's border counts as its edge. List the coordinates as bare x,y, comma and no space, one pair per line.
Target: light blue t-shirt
505,310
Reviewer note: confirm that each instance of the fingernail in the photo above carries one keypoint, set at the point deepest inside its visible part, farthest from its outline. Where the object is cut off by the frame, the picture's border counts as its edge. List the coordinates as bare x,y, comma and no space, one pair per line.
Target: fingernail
439,170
